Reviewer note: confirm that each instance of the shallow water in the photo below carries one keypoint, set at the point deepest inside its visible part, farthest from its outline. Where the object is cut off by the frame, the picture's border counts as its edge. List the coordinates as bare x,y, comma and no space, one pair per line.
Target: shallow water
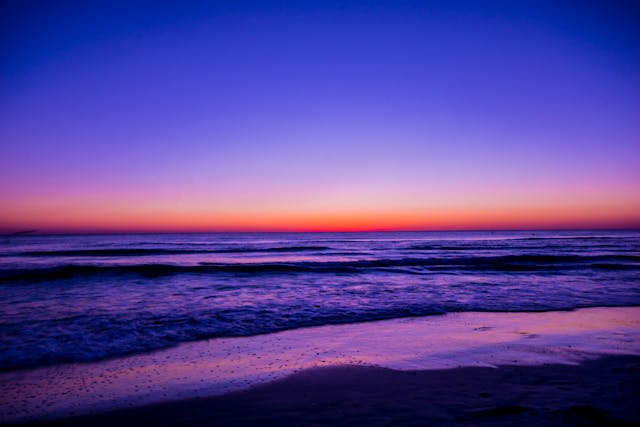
81,298
223,365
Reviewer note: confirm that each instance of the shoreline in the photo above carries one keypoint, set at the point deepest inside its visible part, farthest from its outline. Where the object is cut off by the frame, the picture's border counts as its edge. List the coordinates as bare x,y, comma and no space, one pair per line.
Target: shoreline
215,367
311,326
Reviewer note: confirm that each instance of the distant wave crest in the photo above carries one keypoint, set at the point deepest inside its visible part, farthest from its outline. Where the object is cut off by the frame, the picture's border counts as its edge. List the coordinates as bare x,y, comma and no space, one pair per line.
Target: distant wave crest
120,252
497,263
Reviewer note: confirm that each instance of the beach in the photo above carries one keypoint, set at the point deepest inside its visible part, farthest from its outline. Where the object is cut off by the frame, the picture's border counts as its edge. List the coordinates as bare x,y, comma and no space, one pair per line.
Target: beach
398,328
319,213
600,392
564,367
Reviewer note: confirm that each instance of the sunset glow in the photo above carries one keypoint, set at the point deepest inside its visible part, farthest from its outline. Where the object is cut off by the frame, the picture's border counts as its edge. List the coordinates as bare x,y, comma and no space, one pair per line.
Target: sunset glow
317,118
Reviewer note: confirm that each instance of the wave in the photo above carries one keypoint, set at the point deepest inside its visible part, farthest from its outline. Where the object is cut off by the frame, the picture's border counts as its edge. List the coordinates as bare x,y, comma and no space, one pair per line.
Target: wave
507,263
617,238
154,333
159,251
524,247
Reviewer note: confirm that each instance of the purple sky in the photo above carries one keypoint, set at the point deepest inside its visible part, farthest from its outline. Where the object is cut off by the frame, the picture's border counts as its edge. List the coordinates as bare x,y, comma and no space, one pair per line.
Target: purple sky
323,115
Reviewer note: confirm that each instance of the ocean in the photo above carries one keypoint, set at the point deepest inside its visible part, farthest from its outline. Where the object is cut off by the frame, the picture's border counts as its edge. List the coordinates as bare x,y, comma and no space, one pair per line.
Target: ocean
78,298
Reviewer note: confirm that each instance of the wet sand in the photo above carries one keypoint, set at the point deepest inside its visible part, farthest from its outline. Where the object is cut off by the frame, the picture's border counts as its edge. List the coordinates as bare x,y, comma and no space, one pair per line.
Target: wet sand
396,371
601,392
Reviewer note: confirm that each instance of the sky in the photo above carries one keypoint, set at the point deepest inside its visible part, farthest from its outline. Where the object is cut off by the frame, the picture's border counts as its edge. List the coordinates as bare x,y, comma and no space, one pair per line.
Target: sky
319,116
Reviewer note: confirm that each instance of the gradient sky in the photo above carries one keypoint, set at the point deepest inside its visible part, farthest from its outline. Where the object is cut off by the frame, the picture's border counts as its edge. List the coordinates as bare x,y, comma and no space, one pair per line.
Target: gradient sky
195,116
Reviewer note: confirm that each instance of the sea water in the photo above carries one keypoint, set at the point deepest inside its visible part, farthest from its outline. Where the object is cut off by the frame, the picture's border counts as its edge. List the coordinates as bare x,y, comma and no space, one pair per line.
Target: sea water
74,298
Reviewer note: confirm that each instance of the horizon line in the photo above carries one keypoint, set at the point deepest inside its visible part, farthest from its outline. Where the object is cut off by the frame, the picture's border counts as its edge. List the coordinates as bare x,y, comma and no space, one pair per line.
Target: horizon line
35,232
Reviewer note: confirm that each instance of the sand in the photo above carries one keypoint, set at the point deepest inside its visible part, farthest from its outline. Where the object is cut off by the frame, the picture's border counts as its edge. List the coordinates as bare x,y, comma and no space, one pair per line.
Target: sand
554,367
601,392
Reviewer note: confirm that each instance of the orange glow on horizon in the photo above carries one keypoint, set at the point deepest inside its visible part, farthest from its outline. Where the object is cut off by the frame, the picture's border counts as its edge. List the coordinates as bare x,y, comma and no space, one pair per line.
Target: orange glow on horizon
116,219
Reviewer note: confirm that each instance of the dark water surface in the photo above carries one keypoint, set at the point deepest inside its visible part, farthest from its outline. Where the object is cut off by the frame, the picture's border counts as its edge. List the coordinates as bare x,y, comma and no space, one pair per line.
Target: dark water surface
81,298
